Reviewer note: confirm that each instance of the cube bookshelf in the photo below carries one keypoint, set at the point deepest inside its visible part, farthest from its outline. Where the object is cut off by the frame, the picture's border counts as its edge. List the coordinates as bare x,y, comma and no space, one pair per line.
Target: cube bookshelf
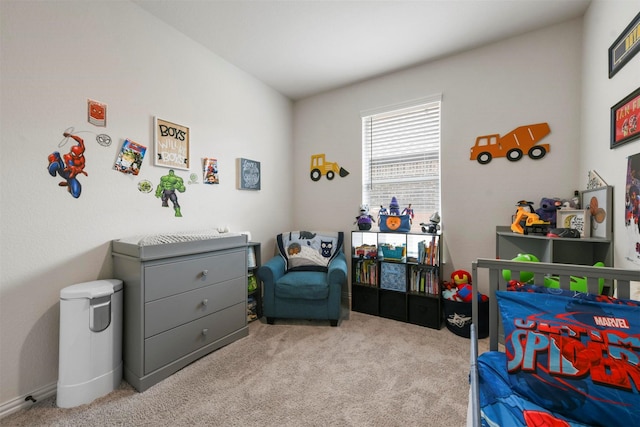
397,275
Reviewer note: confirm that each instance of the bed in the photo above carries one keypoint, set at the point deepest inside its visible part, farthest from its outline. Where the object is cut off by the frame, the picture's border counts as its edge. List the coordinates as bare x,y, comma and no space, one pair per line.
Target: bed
556,357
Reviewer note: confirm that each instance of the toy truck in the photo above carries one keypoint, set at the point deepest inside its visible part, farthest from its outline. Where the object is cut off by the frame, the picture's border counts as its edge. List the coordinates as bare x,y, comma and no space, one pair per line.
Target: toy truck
527,221
512,145
319,167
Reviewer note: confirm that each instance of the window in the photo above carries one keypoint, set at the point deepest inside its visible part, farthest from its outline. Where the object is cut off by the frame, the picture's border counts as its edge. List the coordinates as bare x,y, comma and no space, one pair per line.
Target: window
401,158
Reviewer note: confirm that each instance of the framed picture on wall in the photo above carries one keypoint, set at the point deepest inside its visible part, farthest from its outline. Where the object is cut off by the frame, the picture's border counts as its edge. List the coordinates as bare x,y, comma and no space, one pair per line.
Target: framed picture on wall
248,174
625,120
598,203
171,143
625,46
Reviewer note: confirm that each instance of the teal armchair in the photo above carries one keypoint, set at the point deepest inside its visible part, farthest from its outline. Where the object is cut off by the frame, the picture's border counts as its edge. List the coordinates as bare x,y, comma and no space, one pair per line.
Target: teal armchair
305,279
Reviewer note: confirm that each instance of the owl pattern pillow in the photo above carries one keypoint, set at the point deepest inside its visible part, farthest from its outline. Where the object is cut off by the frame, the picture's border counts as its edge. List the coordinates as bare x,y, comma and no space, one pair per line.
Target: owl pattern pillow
309,250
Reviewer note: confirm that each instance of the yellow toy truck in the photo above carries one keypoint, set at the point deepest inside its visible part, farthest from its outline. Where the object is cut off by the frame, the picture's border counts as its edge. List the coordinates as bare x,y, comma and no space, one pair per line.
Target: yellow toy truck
319,167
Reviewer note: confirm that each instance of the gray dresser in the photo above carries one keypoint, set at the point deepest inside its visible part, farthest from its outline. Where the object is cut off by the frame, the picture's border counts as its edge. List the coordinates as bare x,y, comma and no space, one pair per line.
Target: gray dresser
182,300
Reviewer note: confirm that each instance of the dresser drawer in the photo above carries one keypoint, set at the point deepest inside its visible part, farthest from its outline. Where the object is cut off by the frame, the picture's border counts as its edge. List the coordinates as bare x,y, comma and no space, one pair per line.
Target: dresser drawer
173,344
170,278
166,313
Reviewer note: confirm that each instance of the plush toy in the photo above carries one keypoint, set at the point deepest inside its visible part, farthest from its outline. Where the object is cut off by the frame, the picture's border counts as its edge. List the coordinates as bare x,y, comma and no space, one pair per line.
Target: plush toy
548,209
525,276
460,289
461,277
394,206
364,220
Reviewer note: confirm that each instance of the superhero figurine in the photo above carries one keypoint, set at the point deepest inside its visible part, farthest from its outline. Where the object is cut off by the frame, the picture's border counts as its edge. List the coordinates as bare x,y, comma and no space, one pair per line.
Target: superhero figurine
408,211
69,166
167,190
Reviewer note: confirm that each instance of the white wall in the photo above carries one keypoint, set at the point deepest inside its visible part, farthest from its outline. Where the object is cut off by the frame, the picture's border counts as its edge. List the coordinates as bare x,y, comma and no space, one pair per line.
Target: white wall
603,23
527,79
55,55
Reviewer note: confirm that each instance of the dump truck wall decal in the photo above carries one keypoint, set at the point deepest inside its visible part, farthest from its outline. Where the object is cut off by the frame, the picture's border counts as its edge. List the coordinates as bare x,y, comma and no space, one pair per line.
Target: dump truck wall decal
513,145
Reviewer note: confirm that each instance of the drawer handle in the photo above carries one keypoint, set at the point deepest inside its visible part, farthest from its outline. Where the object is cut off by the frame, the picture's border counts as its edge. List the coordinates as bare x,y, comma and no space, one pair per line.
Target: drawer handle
205,331
204,273
205,302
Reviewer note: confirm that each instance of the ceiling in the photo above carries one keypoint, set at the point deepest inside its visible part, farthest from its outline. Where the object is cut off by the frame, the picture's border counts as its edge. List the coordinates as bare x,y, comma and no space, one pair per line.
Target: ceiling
304,47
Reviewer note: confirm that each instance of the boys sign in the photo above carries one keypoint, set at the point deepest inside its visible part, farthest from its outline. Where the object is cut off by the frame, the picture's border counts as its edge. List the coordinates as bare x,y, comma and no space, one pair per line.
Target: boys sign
171,144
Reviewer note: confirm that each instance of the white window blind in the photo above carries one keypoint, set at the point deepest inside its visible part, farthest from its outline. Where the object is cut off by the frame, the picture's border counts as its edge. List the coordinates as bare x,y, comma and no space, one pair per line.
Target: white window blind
401,158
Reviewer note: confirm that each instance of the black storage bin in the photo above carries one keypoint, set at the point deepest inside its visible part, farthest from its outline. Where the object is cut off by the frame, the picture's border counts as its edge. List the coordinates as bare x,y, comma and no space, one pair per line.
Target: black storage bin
458,317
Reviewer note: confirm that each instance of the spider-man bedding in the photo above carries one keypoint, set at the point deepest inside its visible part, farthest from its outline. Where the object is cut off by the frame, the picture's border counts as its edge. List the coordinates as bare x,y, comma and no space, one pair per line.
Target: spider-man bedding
571,359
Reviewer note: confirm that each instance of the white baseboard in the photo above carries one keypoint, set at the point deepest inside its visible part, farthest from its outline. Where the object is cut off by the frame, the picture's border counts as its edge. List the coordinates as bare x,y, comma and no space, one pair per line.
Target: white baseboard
18,403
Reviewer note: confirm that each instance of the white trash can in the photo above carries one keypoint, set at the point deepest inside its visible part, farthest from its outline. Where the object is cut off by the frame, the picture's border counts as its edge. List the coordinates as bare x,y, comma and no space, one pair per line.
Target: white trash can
90,363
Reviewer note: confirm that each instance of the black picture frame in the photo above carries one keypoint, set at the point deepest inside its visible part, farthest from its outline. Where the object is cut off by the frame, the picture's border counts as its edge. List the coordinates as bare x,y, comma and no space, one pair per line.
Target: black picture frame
620,52
625,120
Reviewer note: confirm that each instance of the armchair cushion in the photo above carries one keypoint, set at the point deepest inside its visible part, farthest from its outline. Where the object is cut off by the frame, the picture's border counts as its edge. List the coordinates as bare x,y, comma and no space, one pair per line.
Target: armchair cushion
303,285
308,250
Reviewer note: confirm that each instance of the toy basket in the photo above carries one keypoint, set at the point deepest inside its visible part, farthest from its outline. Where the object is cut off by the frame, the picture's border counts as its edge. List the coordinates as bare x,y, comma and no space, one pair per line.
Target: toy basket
394,253
457,317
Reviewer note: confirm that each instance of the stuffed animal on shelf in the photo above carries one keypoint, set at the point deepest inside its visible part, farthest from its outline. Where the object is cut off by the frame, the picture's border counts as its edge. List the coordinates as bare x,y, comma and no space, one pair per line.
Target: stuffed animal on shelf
548,209
364,220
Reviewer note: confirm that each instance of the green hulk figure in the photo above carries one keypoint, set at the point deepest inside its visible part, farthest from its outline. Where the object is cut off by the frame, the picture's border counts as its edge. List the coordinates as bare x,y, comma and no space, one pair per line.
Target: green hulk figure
167,190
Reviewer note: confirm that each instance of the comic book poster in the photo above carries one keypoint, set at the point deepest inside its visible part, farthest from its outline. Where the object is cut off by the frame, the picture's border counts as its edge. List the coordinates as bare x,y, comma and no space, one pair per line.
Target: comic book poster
210,171
130,157
632,208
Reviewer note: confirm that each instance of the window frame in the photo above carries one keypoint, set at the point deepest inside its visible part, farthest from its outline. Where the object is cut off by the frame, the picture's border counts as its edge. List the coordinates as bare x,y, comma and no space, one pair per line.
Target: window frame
429,159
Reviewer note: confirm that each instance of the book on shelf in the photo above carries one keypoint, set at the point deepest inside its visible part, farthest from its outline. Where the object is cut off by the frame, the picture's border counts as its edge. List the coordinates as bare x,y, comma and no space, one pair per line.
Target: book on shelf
424,281
367,272
428,253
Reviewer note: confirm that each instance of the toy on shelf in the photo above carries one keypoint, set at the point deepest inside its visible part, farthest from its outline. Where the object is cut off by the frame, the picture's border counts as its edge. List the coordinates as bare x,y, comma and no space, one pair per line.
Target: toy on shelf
408,211
366,251
548,210
567,233
527,221
460,289
433,226
364,220
391,220
382,211
394,206
577,284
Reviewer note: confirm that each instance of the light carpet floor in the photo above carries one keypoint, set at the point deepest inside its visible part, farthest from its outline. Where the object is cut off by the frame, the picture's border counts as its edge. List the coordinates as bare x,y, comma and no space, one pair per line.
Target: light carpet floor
369,371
